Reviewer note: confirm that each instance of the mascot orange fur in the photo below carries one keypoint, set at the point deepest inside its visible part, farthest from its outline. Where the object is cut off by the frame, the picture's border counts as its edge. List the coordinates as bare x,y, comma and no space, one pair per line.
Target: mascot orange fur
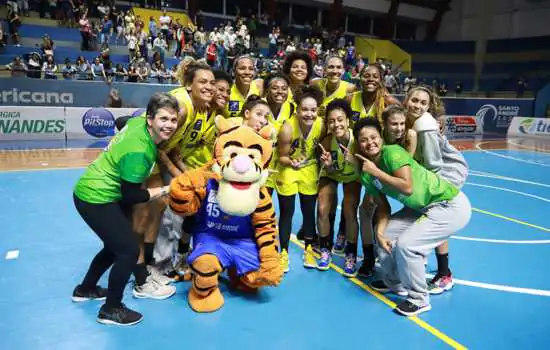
236,226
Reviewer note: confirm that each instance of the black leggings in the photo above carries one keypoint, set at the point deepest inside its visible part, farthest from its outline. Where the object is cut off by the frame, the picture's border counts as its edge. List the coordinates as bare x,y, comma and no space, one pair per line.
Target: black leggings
286,208
112,224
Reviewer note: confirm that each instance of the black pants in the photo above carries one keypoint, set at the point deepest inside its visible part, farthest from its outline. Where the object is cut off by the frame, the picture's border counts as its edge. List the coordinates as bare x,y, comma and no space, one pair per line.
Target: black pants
112,224
286,208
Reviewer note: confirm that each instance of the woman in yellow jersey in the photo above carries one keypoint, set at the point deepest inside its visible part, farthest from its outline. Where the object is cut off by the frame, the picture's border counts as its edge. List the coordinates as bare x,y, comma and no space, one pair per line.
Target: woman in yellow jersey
298,67
333,86
299,168
195,95
276,94
339,166
244,86
373,98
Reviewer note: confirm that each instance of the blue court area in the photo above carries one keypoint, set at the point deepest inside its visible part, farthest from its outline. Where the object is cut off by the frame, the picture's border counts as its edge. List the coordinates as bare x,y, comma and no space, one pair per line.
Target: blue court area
499,262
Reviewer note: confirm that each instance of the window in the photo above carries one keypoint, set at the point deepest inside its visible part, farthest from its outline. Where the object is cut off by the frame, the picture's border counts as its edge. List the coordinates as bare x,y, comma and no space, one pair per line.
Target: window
379,26
406,31
359,24
212,6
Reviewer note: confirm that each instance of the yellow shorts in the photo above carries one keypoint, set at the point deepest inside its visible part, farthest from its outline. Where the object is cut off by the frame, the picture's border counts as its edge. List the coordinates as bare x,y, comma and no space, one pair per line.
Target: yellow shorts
304,181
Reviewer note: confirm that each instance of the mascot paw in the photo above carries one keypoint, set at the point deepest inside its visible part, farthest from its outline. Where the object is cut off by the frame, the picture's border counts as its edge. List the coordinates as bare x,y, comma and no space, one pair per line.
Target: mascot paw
241,284
269,274
210,303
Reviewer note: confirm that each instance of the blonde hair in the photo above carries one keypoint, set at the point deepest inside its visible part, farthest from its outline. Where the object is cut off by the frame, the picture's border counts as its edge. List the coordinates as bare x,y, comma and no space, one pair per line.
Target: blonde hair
182,68
437,108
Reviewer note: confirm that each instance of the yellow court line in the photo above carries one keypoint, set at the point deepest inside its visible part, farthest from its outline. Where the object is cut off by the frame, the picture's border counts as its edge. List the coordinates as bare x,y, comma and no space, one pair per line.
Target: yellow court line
511,219
434,331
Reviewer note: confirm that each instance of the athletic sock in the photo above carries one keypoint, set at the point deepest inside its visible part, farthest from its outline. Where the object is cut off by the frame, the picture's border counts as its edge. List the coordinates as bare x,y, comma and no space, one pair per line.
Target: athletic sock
351,248
324,242
148,253
368,253
443,264
140,272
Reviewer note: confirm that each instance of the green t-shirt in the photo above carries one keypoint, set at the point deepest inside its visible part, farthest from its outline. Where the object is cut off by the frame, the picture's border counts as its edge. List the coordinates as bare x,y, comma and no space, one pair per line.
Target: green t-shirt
130,156
428,187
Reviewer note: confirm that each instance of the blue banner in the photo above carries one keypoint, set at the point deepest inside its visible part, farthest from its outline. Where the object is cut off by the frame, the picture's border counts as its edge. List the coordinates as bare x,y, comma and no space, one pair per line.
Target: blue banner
73,93
495,114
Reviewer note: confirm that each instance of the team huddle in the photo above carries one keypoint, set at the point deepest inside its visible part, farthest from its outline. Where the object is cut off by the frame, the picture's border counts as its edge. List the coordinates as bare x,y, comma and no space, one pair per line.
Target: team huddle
185,191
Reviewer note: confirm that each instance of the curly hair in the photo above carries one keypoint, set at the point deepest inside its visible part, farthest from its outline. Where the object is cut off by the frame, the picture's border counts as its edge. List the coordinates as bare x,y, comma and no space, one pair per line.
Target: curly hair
381,92
366,123
187,69
341,104
298,55
251,102
437,108
309,91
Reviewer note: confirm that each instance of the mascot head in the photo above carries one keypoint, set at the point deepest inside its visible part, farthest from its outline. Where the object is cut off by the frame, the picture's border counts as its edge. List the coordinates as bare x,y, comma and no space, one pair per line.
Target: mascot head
242,158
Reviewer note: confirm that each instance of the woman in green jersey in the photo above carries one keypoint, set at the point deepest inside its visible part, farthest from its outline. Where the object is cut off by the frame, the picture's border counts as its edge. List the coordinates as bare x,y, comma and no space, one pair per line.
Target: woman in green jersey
433,210
104,196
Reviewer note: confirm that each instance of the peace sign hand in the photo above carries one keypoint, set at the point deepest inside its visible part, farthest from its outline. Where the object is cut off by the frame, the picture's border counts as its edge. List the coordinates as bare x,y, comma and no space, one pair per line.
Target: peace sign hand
326,158
348,155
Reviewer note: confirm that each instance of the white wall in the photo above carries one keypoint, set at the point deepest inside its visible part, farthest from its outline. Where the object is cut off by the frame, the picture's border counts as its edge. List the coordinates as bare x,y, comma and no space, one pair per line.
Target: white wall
510,19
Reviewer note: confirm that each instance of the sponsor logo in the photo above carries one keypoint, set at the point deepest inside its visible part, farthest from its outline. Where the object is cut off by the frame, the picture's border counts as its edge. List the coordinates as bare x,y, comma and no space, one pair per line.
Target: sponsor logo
11,123
138,112
533,126
462,124
16,96
355,116
98,122
233,106
222,227
500,115
198,125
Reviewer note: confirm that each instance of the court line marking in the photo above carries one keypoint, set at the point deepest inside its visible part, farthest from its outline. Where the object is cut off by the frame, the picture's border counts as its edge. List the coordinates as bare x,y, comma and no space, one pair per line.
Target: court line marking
40,169
12,254
478,146
511,219
501,241
423,324
499,287
505,178
527,147
503,189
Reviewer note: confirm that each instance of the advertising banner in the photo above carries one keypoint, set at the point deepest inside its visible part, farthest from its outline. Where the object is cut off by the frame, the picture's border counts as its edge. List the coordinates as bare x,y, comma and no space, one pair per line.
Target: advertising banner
463,126
32,123
93,123
74,93
530,127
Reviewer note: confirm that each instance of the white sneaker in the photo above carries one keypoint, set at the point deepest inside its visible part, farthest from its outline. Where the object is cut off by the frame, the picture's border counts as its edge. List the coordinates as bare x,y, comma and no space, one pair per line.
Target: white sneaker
158,276
152,289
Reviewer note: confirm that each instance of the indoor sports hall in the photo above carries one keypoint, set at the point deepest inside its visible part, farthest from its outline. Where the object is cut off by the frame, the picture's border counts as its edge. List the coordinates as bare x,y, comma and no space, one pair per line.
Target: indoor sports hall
498,301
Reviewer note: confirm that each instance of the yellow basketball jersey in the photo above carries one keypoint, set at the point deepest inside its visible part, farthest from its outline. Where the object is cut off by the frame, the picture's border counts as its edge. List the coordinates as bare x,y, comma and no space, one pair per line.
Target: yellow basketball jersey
183,98
343,171
303,149
358,109
286,111
340,92
193,151
236,100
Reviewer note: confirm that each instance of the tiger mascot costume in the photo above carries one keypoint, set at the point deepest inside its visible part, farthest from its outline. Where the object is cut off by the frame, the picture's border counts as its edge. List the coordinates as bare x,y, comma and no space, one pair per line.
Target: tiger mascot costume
236,226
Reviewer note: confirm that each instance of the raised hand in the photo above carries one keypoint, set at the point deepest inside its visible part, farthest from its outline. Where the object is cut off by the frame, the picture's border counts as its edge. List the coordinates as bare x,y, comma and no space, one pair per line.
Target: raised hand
368,166
326,158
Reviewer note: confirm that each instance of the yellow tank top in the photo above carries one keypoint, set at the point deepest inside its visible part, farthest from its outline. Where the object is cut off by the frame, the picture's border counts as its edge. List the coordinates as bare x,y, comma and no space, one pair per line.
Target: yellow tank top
344,171
304,149
193,151
340,92
236,100
358,109
183,97
286,111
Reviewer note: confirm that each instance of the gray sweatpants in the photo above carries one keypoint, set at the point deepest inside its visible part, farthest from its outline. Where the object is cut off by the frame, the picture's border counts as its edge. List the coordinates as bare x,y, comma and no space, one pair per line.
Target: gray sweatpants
414,236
